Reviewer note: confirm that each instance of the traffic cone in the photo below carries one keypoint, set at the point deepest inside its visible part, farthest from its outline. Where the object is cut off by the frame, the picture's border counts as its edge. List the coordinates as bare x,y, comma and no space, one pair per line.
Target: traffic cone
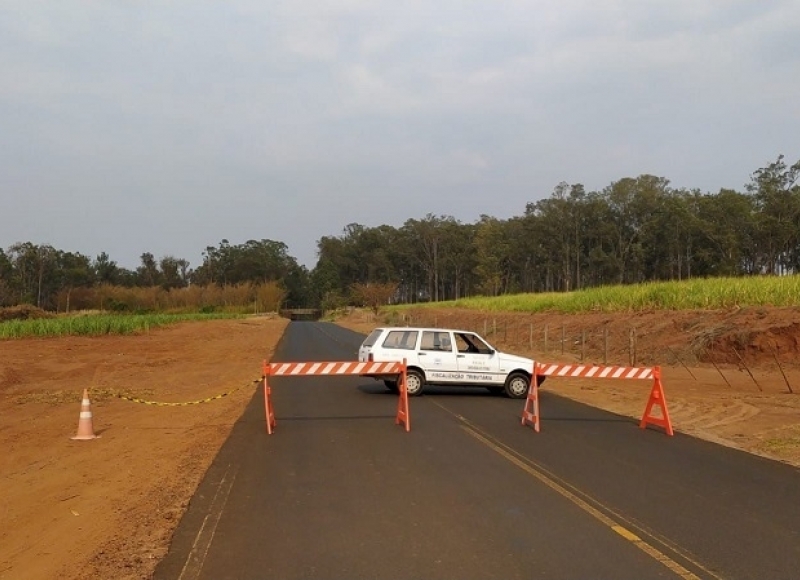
85,428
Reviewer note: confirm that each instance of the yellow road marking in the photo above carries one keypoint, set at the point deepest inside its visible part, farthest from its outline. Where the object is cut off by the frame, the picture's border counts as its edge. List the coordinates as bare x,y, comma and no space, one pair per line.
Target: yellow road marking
626,533
541,475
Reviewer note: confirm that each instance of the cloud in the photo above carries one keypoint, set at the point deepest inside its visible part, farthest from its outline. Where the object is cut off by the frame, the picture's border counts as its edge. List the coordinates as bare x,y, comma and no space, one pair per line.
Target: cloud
175,112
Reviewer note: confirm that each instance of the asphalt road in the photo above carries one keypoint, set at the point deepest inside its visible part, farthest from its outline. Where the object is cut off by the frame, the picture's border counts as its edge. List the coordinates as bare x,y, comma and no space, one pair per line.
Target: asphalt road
341,492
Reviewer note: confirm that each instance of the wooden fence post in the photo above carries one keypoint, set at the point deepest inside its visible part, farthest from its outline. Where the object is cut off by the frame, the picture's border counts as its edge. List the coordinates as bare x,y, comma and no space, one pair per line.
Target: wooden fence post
632,347
545,337
583,344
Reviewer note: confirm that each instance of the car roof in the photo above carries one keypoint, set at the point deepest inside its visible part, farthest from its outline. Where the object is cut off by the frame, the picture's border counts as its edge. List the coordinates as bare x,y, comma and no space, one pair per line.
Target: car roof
414,328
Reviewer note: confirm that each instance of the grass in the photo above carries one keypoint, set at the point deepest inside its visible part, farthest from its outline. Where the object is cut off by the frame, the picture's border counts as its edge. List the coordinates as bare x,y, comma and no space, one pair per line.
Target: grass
97,324
699,293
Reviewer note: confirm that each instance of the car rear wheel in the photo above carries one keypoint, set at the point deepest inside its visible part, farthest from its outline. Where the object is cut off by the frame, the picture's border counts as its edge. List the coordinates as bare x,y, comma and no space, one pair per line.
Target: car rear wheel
415,382
517,385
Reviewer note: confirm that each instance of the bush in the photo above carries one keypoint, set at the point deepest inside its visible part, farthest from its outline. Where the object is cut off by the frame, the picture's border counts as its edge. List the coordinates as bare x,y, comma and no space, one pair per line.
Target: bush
23,312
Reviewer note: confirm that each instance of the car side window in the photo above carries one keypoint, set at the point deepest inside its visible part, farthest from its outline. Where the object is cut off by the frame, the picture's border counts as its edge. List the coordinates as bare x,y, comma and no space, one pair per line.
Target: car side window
472,343
401,339
436,341
462,345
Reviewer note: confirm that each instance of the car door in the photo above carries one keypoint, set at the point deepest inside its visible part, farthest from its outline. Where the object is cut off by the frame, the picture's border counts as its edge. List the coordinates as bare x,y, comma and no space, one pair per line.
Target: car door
477,360
437,356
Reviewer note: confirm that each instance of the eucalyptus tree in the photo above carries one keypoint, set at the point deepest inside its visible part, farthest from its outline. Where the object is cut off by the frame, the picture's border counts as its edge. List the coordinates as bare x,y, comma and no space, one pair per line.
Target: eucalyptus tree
7,293
411,275
667,238
256,261
34,271
74,270
330,275
216,266
259,261
563,222
105,269
726,227
517,259
559,238
346,255
296,281
597,242
348,259
633,204
326,285
531,249
148,273
374,252
493,256
777,199
173,272
457,258
425,235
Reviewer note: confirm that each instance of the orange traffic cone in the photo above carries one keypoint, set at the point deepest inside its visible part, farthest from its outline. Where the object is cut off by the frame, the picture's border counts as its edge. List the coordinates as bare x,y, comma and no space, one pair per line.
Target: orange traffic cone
85,428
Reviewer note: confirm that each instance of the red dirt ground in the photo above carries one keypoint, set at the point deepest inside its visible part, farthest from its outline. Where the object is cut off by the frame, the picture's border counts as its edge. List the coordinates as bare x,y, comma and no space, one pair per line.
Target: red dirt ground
107,508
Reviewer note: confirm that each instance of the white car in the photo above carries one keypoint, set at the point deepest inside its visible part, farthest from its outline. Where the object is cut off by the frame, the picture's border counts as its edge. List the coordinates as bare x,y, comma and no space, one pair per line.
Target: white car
436,356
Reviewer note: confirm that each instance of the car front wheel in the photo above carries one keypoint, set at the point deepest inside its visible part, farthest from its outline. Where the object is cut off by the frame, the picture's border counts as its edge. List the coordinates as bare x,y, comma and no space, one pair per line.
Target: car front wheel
517,385
415,382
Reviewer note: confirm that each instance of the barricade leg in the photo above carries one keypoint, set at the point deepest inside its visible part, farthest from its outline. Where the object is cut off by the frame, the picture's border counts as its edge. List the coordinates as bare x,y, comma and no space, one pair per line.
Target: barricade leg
530,414
268,410
403,417
657,399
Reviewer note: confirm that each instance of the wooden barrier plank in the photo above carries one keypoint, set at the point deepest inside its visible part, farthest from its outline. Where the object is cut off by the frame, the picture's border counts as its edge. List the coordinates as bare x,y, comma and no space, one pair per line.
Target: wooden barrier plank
657,399
336,368
295,369
596,371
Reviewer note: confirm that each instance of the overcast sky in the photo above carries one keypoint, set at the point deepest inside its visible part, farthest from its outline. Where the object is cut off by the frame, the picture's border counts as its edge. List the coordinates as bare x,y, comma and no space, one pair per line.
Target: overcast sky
164,127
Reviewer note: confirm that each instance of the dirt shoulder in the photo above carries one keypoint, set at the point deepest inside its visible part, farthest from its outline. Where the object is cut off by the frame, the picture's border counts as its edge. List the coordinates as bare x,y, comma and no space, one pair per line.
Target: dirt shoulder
107,508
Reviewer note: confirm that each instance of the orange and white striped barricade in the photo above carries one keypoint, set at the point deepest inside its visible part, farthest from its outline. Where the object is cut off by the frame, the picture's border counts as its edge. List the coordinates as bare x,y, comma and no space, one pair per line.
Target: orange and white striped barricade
336,368
656,399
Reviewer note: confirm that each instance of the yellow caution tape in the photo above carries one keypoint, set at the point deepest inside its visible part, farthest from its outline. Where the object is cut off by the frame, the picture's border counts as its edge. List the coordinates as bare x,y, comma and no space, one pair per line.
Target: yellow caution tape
183,404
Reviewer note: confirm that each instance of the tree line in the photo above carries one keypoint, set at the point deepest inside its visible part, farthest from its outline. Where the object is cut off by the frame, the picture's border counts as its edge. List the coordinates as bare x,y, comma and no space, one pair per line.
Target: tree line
634,230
